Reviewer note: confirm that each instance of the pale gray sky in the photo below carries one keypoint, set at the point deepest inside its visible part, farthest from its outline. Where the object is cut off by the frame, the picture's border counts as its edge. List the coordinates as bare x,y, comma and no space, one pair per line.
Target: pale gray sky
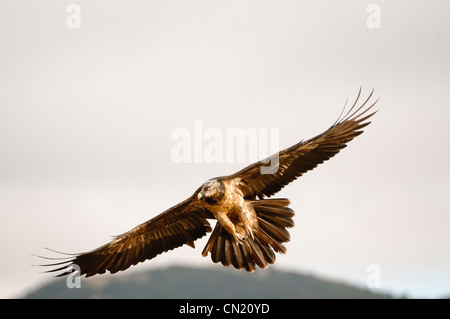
86,117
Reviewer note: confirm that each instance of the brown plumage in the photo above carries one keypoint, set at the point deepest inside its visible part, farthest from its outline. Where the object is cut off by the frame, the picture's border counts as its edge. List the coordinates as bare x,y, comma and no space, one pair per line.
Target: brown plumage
250,228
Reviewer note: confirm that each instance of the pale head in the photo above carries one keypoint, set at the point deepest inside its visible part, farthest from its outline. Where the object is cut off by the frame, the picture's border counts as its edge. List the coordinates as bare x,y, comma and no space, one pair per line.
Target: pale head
212,191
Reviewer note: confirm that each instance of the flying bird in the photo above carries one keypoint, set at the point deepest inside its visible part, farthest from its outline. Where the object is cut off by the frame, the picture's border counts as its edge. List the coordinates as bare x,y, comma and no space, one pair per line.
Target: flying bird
250,228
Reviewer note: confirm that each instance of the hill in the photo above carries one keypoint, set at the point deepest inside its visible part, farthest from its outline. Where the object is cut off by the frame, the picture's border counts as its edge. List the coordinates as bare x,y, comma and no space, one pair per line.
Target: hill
204,283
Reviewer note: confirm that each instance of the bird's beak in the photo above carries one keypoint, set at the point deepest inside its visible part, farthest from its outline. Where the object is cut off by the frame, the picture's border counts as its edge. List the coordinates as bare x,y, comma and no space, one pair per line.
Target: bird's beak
199,196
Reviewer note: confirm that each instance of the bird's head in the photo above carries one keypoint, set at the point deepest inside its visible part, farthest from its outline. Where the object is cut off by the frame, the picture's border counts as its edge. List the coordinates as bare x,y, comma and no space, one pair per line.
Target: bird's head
212,191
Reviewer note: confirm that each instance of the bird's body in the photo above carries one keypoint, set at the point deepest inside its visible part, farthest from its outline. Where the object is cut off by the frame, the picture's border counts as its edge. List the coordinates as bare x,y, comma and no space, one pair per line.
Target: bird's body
250,227
231,210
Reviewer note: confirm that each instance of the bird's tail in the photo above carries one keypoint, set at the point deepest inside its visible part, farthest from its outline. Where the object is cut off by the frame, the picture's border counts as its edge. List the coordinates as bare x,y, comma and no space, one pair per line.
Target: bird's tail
274,216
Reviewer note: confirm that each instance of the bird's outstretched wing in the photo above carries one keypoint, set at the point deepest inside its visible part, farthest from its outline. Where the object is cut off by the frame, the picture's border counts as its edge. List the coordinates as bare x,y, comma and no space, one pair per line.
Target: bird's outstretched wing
305,155
181,224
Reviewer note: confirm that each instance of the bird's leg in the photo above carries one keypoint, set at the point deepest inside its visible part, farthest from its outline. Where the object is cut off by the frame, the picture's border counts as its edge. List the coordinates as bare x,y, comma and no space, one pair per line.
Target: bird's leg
225,221
248,218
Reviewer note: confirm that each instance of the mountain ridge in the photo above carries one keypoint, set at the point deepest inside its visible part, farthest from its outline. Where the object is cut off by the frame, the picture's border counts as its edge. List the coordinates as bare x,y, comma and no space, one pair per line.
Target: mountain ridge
180,282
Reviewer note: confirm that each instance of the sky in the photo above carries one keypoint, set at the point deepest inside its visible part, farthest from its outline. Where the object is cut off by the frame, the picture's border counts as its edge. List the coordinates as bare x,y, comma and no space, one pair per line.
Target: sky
89,106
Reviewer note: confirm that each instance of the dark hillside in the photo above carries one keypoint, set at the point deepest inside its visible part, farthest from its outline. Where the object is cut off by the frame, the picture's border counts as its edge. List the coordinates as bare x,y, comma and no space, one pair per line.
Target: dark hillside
184,282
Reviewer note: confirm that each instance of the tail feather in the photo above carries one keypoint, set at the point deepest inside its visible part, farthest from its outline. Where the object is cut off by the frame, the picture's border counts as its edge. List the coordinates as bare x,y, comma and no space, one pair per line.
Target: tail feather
273,217
276,245
257,254
274,231
239,258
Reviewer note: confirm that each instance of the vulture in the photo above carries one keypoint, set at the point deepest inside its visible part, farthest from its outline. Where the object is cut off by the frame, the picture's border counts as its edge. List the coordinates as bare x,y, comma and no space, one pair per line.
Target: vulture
251,225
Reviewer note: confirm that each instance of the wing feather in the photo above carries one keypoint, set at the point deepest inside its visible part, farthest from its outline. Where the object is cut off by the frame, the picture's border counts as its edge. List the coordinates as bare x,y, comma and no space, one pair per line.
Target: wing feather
305,155
179,225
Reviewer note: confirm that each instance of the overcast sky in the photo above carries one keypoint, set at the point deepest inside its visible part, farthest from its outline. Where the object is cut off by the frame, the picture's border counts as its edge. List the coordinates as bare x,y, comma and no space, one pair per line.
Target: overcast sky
87,115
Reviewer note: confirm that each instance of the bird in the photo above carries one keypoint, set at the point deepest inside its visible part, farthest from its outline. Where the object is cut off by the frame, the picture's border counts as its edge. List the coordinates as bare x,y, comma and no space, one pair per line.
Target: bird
252,226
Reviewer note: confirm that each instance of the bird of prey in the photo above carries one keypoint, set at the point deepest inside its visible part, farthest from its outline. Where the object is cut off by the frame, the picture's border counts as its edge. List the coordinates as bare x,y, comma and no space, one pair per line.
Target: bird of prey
250,228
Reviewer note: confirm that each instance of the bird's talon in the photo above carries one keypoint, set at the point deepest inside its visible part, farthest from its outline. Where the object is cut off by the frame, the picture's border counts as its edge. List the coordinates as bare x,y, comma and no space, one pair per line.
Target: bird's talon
240,238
